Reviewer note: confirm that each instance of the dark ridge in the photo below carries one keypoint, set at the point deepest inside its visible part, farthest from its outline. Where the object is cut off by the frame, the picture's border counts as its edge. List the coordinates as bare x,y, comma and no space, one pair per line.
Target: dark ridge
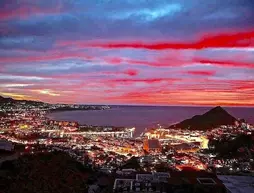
4,100
211,119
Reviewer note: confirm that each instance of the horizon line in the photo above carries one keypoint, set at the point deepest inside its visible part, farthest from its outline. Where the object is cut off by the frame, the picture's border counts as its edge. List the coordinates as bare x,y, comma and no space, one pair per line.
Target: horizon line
145,105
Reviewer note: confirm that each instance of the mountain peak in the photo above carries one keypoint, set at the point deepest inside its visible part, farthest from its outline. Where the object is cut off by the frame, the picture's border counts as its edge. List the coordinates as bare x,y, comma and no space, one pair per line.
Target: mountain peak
217,109
215,117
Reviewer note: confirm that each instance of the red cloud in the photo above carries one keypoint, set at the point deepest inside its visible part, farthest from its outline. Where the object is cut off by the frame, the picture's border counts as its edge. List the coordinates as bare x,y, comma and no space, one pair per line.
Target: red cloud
224,63
202,73
249,87
186,97
131,72
195,91
160,62
229,40
241,84
145,80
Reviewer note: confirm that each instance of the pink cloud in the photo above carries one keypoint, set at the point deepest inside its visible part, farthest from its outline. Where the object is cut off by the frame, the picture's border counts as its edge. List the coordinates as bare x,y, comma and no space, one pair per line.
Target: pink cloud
201,73
113,60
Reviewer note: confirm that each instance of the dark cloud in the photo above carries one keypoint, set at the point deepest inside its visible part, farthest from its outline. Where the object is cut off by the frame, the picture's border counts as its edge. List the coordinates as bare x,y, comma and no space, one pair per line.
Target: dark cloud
26,43
131,19
58,68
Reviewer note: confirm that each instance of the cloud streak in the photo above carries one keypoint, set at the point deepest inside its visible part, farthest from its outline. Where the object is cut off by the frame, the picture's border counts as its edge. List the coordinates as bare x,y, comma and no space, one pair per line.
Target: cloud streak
230,40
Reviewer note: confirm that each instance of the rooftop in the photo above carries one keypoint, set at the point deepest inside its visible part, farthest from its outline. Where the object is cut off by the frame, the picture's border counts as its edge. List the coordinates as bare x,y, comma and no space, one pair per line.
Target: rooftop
238,184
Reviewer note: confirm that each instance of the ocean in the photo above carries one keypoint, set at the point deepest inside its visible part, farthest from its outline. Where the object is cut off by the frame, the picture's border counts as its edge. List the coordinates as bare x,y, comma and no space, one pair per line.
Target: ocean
142,117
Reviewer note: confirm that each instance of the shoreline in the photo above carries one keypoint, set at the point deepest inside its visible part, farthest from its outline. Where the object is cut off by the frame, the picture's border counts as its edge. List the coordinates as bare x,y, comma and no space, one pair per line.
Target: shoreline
66,110
83,124
116,118
80,108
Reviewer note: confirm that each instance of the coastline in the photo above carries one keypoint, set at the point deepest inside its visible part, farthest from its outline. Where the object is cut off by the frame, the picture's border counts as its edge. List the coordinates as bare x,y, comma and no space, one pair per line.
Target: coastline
71,109
140,118
47,115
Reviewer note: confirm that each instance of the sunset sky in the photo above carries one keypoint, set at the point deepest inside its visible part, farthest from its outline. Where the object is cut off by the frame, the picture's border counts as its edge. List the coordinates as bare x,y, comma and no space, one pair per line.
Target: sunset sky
151,52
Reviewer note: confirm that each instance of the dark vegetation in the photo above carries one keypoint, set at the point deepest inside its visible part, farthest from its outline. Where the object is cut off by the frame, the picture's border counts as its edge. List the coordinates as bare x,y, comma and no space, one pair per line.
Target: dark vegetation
2,114
230,148
50,172
132,163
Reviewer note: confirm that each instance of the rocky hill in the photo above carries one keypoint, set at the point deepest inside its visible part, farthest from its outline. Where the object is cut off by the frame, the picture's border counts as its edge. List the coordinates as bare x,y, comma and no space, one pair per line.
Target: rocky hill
211,119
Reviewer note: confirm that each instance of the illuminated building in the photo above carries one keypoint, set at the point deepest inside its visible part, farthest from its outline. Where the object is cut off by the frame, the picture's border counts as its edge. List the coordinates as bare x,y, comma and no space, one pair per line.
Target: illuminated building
152,145
204,143
23,126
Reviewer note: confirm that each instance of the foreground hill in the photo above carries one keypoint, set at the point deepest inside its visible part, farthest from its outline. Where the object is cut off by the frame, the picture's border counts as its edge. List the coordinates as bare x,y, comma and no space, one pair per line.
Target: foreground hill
213,118
240,146
51,172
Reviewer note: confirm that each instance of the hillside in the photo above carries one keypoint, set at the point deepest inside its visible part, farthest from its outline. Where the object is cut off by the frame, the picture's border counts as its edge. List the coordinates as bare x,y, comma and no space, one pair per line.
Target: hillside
211,119
4,100
52,172
233,147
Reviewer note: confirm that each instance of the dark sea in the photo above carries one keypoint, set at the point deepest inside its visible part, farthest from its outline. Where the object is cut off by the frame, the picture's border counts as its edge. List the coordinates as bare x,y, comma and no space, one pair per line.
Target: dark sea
142,117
